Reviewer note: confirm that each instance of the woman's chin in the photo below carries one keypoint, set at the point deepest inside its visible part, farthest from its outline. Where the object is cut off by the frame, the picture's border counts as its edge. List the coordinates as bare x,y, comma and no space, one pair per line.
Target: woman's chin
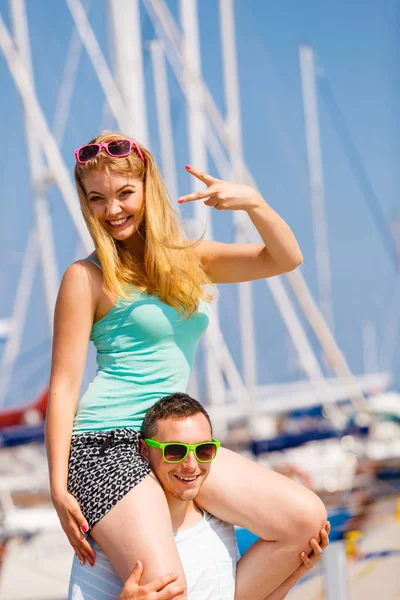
124,234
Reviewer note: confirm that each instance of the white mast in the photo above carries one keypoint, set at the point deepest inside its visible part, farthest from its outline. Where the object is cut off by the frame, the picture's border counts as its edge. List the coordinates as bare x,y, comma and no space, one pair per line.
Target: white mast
369,345
38,170
164,119
198,158
168,166
66,89
316,178
128,64
234,131
111,91
50,148
17,324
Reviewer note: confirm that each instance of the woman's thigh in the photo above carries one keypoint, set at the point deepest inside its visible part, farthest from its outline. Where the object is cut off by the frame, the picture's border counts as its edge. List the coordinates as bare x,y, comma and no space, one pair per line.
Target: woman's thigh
139,527
242,492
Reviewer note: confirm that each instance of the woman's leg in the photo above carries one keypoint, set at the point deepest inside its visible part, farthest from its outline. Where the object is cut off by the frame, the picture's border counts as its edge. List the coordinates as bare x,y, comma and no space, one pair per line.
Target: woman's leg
139,527
284,514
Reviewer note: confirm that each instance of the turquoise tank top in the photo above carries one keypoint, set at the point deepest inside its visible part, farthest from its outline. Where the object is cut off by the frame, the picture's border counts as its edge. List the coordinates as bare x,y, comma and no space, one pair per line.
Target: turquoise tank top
145,350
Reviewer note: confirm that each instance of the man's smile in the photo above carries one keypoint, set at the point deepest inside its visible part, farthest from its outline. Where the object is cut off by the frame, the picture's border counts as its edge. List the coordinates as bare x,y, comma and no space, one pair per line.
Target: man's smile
187,480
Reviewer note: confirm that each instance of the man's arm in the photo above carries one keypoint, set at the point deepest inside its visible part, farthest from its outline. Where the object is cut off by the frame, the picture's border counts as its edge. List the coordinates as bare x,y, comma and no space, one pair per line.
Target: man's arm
308,563
163,588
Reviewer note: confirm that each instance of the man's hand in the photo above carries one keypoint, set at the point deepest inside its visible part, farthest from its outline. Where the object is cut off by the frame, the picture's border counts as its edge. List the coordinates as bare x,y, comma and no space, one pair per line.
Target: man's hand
163,588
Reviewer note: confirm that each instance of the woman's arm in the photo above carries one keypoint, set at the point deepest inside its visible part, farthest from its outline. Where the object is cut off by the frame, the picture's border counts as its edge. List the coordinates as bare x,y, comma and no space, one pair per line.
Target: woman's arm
229,263
73,320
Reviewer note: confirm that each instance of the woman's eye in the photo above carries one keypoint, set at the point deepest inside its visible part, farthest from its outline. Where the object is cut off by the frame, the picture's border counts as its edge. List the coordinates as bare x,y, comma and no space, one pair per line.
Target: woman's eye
126,193
94,198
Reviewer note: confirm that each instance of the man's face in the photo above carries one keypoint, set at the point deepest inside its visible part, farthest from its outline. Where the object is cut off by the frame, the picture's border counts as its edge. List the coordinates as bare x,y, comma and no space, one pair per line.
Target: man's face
181,480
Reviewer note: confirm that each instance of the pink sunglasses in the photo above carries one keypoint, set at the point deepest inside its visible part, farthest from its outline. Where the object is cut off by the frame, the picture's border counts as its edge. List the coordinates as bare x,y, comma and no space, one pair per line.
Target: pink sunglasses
115,148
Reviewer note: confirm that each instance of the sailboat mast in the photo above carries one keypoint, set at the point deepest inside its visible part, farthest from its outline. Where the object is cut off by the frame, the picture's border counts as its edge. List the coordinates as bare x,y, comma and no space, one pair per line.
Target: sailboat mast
235,150
307,70
196,124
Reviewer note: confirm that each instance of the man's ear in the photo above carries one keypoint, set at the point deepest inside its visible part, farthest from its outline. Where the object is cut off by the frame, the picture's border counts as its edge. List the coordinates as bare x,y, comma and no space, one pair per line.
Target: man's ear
144,449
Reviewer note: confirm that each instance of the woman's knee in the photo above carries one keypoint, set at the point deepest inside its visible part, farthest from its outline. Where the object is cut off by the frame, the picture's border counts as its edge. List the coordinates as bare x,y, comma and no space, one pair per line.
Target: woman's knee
296,519
309,517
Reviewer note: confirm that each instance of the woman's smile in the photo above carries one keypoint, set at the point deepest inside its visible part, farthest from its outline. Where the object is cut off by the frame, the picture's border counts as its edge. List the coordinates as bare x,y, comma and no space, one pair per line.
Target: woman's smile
119,222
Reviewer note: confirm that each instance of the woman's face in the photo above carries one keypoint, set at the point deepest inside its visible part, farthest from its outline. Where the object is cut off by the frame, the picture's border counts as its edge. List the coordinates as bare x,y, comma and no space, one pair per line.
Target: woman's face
116,200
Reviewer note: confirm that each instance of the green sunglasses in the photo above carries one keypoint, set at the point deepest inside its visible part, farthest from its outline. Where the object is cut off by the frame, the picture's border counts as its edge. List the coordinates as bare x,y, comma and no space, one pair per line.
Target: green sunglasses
176,452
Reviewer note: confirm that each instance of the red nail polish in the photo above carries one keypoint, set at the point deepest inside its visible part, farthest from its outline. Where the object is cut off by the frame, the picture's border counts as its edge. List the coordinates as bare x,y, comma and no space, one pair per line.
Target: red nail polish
84,528
188,167
180,201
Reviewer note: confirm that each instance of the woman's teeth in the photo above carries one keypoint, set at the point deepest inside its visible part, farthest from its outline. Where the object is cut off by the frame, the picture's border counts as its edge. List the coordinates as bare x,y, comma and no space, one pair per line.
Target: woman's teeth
119,222
187,478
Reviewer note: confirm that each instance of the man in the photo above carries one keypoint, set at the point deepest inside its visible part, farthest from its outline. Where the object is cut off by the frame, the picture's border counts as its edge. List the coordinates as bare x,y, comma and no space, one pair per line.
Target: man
207,546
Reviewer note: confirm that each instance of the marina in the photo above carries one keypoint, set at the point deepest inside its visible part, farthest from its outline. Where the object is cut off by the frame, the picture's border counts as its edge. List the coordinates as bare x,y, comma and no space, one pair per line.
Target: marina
298,372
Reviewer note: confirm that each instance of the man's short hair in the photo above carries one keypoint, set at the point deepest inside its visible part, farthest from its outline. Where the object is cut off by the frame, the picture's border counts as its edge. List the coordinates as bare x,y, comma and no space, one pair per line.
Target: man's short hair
175,406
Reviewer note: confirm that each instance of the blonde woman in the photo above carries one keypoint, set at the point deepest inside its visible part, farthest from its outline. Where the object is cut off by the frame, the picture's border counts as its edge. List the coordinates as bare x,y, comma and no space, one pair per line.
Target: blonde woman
140,297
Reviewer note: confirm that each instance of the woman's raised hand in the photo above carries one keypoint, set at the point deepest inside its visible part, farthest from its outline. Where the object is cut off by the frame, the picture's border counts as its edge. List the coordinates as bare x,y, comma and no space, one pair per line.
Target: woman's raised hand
74,523
223,195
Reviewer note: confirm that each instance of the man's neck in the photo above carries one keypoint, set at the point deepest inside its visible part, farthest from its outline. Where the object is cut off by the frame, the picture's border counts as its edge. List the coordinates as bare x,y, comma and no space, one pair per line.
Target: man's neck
184,515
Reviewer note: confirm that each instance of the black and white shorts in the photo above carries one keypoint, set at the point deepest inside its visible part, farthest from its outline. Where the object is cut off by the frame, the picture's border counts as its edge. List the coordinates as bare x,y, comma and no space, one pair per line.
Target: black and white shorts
103,467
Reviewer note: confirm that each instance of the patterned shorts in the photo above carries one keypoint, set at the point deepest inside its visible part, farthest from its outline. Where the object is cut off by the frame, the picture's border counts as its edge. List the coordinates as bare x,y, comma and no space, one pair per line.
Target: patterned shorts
103,468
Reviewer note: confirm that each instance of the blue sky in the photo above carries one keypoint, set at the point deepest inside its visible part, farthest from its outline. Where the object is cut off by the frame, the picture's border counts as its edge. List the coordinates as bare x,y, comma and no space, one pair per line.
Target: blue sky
357,51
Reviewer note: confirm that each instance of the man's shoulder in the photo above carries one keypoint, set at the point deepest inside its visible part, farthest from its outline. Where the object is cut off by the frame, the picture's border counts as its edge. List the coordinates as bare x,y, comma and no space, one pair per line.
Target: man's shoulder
209,525
213,528
217,524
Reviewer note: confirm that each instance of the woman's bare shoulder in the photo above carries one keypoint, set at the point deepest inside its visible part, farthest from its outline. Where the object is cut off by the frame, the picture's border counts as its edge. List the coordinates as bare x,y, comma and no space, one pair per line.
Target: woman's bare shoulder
83,275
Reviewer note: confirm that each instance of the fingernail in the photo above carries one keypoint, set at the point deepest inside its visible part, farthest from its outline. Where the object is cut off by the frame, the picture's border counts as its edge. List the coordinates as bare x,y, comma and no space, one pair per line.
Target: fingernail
82,561
180,200
188,167
84,528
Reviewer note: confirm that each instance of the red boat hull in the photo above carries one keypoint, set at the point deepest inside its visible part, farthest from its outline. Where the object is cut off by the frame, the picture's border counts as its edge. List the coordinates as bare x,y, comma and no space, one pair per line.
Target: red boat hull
22,416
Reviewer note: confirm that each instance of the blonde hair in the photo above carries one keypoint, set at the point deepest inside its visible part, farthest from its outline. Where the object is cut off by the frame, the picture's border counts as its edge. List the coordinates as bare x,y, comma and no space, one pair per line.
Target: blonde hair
172,269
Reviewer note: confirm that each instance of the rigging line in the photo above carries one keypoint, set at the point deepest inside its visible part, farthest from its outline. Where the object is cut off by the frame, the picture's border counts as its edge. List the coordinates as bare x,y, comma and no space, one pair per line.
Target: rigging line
43,346
359,171
37,380
275,94
67,86
31,371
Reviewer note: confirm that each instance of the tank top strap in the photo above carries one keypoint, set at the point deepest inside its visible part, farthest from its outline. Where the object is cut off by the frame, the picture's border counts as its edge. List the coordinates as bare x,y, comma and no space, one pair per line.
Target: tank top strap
94,261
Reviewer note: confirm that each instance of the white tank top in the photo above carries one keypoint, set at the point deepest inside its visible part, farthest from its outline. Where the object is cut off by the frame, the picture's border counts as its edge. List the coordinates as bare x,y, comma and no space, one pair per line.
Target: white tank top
208,553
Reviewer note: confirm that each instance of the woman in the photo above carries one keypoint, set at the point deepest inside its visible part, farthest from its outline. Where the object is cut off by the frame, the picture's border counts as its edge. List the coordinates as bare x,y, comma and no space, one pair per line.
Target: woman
141,299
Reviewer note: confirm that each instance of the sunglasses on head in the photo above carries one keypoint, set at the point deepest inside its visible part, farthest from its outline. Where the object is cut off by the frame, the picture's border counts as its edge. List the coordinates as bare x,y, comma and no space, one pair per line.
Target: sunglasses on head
115,148
176,452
